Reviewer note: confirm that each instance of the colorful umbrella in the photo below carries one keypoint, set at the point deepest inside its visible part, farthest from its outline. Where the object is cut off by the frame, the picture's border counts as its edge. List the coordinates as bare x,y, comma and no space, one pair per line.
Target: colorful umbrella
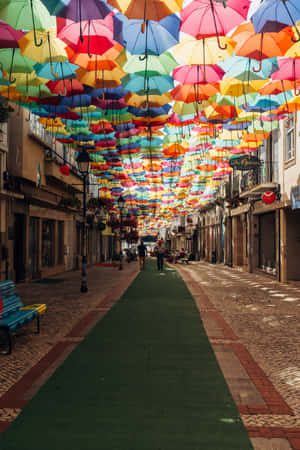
203,18
148,9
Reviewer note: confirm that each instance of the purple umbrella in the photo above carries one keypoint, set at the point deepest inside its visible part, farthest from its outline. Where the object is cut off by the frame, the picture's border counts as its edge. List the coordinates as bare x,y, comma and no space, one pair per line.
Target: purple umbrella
78,10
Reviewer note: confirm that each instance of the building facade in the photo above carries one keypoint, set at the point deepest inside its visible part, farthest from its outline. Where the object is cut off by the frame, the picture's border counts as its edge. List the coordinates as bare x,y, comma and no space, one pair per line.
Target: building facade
242,227
41,208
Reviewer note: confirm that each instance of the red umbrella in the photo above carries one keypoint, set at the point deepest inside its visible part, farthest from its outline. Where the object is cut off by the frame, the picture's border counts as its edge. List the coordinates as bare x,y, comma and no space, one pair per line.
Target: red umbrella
93,37
65,87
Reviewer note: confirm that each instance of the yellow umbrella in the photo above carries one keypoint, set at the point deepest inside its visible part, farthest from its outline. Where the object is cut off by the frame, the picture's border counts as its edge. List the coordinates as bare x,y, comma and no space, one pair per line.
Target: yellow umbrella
143,101
51,50
49,122
27,79
237,88
203,51
102,79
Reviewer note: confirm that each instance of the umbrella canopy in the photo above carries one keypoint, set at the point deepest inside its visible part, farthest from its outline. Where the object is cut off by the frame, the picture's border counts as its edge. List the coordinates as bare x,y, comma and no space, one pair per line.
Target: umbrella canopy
198,74
155,39
148,9
9,36
137,83
156,65
77,10
51,50
204,51
203,18
274,15
93,37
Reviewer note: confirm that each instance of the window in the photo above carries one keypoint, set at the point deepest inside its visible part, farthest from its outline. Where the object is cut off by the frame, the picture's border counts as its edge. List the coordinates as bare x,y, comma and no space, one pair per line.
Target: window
47,243
275,156
3,135
37,128
289,139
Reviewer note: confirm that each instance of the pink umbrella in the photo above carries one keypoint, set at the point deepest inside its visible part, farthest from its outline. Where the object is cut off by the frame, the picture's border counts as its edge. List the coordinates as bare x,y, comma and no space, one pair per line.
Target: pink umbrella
198,74
289,69
9,36
206,18
96,37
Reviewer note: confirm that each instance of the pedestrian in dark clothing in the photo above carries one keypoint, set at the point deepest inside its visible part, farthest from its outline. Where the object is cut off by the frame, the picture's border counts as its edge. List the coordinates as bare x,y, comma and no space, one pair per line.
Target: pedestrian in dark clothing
160,251
142,251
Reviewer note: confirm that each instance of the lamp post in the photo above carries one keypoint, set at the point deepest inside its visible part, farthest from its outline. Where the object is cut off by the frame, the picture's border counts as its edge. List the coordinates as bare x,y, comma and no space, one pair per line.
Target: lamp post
83,161
121,204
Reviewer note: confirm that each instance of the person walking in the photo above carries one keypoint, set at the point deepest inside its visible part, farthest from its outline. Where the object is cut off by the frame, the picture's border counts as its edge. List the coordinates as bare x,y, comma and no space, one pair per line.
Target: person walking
142,251
160,251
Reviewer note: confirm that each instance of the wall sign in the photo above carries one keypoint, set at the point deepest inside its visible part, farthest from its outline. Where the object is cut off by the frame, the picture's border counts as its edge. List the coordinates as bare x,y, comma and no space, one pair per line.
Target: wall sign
245,162
268,197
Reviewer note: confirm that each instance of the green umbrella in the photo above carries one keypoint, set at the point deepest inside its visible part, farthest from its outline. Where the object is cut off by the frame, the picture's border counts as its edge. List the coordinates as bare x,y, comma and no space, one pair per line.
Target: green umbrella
152,65
35,91
12,61
27,15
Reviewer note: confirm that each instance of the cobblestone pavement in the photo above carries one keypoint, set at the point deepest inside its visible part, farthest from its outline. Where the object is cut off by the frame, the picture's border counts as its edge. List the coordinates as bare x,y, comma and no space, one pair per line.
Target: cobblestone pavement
253,325
66,308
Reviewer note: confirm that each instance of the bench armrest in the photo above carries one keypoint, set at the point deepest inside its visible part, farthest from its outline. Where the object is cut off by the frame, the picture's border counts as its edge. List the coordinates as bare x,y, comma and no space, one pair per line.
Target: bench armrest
41,308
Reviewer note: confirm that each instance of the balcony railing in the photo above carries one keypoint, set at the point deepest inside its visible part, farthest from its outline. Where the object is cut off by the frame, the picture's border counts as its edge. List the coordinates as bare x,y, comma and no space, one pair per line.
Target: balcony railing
266,173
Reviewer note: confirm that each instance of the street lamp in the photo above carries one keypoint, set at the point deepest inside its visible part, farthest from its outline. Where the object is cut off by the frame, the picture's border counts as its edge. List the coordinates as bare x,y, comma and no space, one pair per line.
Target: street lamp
121,204
83,161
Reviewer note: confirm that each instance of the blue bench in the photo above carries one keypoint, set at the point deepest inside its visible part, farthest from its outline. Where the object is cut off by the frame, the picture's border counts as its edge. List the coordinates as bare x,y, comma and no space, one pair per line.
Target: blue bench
13,314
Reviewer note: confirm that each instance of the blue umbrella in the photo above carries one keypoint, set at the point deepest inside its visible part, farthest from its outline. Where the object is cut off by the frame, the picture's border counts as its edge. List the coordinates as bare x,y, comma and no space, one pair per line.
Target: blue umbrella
62,71
150,112
155,85
274,15
109,93
237,126
155,39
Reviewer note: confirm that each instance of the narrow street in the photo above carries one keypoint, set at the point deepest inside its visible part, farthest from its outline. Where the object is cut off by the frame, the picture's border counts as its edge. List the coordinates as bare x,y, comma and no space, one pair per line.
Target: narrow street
252,323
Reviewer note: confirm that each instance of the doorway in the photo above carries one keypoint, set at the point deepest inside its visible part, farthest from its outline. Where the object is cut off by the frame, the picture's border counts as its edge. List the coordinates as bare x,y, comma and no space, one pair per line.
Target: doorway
19,247
33,246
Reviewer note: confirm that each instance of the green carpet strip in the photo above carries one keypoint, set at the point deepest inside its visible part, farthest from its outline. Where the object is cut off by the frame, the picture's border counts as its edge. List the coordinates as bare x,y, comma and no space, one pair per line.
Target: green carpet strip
145,378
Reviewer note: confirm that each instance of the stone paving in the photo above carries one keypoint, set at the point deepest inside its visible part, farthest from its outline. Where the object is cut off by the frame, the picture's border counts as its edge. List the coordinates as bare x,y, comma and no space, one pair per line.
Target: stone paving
253,325
251,320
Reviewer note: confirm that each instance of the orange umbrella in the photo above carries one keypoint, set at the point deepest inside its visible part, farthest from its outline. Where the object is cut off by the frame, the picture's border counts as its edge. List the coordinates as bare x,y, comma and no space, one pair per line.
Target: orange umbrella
95,62
254,137
194,92
278,86
173,151
261,45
